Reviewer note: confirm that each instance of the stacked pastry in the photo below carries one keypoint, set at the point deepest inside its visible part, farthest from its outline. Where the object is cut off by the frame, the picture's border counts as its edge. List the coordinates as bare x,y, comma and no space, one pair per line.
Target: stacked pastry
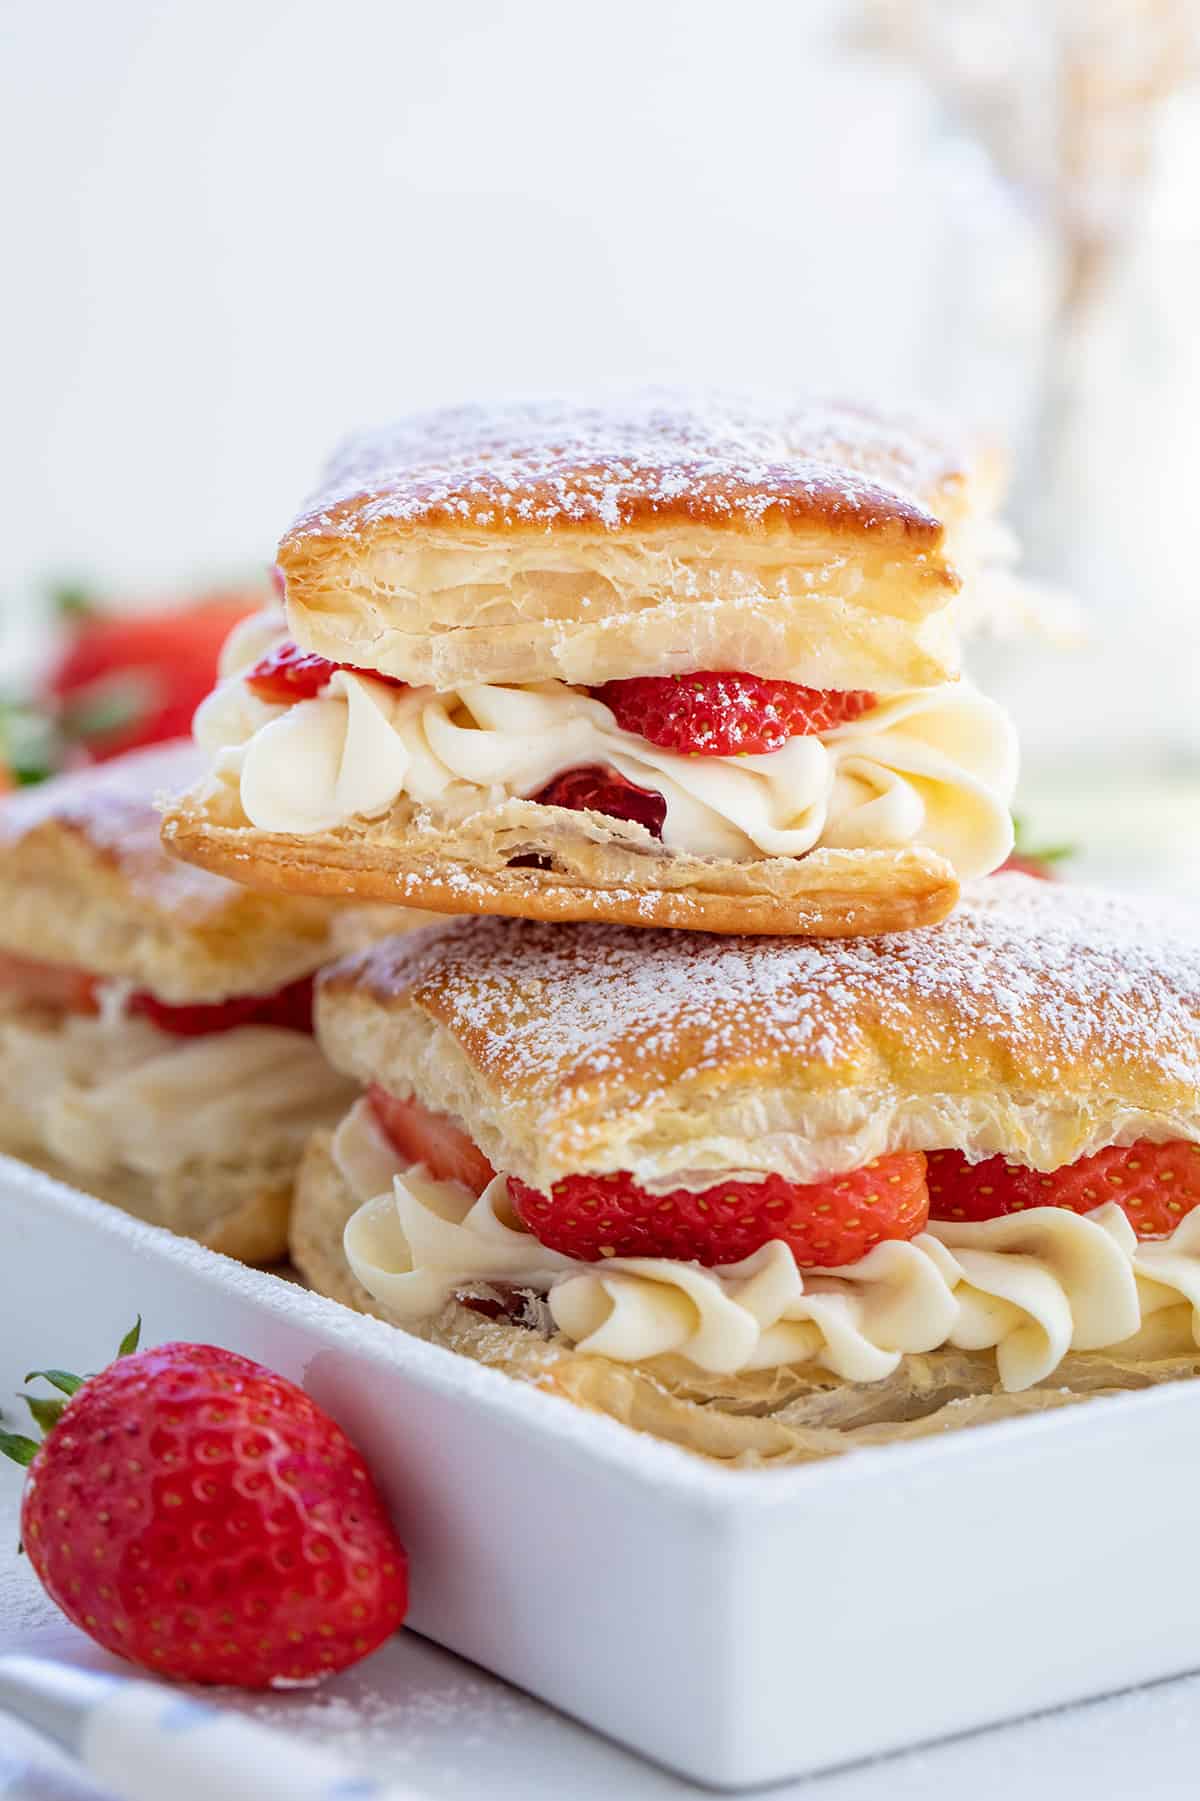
156,1039
853,1170
669,665
772,1197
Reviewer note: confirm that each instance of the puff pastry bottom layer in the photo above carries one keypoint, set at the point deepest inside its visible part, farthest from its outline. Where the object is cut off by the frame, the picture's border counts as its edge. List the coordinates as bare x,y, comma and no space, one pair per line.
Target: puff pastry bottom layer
597,868
781,1416
237,1206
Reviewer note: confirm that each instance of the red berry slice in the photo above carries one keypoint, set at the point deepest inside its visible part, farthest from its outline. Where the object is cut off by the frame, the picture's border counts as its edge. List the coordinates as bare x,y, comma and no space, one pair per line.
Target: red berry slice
715,713
290,1007
599,790
1155,1185
433,1139
75,991
824,1224
288,674
58,985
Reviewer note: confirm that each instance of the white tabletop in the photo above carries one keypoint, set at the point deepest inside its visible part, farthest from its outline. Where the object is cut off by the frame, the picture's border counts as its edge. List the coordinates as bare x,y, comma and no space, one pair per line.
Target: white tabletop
417,1713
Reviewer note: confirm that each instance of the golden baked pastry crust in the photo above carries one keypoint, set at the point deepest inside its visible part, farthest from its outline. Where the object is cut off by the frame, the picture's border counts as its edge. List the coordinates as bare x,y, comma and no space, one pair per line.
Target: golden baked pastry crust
84,881
239,1207
1041,1020
788,1415
601,869
648,535
565,465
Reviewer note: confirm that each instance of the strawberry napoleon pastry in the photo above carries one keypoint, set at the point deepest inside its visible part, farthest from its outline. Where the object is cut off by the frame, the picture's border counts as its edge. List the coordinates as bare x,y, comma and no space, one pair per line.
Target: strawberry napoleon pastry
771,1198
658,661
156,1039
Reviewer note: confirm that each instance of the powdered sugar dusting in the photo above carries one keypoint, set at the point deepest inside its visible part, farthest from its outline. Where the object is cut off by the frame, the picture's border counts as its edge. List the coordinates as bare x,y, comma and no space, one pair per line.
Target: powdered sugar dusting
111,806
1078,984
412,1702
566,462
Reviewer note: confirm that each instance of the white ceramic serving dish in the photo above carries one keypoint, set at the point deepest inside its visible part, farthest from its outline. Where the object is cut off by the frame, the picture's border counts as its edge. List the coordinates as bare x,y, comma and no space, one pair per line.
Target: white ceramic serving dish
739,1627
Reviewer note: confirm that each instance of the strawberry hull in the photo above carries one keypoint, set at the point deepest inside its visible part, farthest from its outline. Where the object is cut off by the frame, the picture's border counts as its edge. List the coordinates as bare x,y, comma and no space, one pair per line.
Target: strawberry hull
739,1627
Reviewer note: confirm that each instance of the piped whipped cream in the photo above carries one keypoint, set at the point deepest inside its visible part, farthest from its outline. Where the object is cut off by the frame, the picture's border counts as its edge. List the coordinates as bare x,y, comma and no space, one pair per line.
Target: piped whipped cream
933,766
1030,1286
109,1092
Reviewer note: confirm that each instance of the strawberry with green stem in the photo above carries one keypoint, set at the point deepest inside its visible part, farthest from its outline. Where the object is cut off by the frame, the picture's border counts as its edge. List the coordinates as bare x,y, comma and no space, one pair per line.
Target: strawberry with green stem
199,1515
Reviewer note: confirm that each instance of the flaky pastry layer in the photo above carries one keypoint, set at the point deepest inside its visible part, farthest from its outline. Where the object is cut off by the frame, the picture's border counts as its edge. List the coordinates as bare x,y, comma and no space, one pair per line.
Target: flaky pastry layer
1040,1021
645,536
84,881
239,1207
599,869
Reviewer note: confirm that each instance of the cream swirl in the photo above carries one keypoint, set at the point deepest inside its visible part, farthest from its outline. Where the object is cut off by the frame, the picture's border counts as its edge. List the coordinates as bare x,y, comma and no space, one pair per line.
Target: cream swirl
1031,1286
932,766
110,1092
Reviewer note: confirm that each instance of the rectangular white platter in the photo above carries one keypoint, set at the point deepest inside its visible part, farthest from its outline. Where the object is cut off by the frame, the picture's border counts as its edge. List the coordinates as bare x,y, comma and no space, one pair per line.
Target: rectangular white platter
739,1627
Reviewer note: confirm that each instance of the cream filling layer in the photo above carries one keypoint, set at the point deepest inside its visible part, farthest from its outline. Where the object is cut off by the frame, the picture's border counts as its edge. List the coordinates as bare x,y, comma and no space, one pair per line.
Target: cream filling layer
111,1092
1031,1286
934,767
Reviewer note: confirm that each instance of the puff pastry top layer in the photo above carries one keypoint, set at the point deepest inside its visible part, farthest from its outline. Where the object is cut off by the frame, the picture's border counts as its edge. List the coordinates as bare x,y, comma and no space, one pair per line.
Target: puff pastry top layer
84,881
1038,1021
643,536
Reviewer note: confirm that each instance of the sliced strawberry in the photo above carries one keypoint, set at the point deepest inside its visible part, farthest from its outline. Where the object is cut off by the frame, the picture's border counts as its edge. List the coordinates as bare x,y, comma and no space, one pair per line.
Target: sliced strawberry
1153,1184
824,1224
287,674
599,790
125,680
75,991
289,1007
57,985
432,1139
717,713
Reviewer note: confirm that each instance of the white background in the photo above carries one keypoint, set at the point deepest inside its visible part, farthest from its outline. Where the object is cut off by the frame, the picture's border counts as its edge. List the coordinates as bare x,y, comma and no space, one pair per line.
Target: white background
235,228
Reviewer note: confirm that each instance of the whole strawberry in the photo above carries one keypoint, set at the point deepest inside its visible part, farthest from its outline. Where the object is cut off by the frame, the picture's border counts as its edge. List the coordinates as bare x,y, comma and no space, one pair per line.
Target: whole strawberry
199,1515
121,680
